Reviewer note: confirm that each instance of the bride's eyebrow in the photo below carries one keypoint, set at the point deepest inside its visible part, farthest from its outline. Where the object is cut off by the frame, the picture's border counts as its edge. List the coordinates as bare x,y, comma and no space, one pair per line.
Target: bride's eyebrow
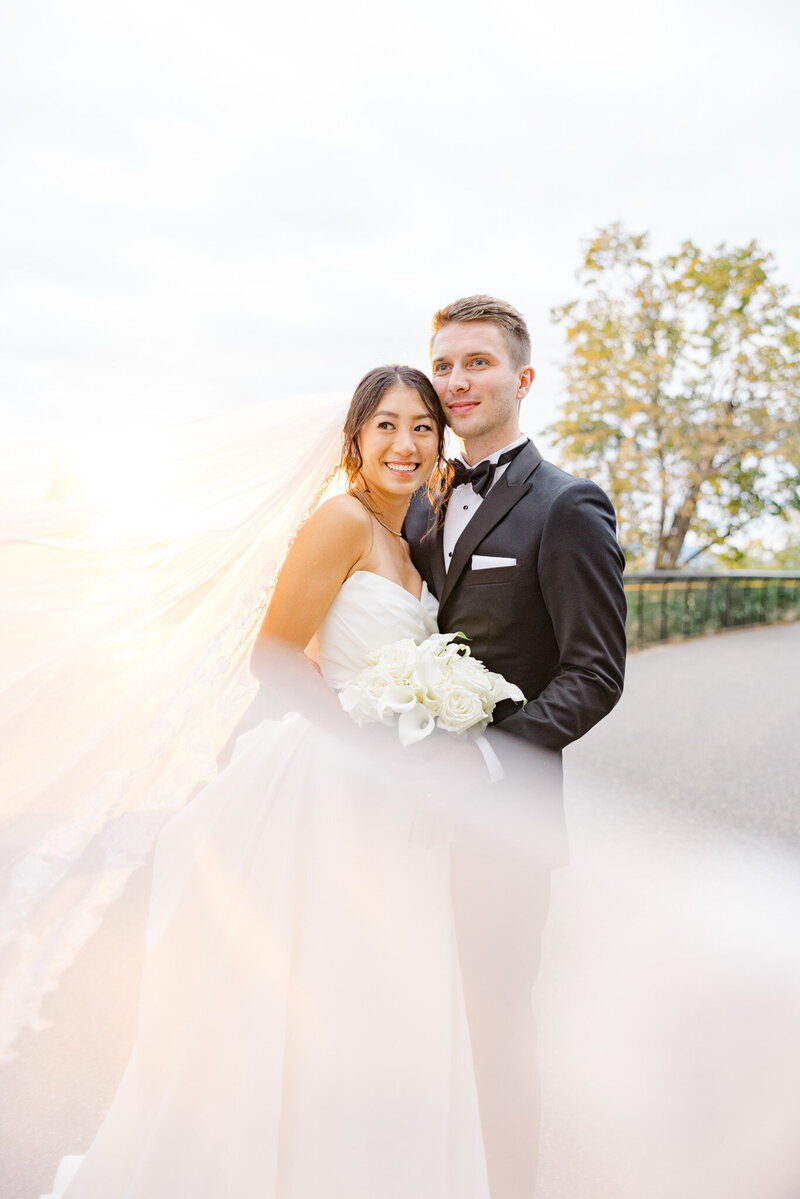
394,416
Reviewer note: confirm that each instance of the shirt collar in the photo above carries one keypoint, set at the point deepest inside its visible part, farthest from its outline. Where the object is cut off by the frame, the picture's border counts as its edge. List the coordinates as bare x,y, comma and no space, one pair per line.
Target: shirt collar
493,457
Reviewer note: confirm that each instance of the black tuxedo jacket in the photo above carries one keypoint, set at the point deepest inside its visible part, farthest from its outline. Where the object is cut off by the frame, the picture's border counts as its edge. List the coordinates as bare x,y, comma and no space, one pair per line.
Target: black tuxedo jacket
554,623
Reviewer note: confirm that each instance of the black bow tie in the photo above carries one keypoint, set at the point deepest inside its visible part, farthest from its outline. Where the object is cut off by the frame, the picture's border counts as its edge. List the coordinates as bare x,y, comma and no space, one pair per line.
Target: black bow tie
482,476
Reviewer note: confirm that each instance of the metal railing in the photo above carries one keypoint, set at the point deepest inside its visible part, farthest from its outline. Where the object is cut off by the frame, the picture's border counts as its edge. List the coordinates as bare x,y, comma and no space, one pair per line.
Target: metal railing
664,605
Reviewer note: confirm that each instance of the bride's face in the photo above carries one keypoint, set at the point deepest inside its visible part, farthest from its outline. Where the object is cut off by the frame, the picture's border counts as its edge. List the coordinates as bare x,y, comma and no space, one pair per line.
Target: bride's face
398,443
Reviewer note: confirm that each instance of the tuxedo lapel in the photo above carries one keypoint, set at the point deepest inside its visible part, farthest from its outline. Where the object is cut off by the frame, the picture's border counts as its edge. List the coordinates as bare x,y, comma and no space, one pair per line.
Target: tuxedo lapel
436,557
426,541
508,491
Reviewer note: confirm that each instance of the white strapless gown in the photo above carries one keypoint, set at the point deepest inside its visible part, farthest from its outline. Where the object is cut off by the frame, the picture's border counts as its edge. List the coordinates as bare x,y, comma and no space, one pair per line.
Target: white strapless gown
302,1031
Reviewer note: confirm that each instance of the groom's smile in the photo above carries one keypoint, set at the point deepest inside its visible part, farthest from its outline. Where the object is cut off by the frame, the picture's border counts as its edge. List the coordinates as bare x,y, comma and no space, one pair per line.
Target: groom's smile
478,385
461,405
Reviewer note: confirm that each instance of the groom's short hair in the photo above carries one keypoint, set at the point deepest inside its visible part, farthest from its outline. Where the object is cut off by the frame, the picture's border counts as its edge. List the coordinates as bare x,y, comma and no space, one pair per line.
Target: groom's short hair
497,312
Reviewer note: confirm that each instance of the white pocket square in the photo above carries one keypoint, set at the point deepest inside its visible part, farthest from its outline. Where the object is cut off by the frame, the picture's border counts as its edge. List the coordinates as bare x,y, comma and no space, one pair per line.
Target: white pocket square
486,562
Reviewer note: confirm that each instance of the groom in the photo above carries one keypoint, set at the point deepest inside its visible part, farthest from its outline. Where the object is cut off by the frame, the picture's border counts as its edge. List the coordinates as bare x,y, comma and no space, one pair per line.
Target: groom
526,563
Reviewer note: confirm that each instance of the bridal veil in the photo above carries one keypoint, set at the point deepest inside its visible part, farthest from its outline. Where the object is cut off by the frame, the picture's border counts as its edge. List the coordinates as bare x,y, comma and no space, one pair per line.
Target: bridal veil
135,575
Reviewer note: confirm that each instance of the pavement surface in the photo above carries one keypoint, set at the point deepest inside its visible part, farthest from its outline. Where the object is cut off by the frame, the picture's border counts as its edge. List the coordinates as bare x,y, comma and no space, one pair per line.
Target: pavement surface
695,775
669,996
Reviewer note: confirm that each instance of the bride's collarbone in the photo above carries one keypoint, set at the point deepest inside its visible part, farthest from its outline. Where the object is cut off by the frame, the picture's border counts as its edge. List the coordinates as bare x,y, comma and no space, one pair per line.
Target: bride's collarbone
396,567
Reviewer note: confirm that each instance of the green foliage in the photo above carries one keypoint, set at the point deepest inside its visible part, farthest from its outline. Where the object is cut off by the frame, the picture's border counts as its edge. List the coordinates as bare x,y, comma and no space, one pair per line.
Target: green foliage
683,381
757,554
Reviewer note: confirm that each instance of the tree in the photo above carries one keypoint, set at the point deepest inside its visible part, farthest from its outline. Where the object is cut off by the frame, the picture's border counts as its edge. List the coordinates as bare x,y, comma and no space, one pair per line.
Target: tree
779,553
683,391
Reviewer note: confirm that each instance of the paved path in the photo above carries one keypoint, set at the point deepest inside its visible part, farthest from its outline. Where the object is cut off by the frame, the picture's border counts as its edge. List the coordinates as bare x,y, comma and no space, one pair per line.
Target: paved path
708,730
703,750
669,997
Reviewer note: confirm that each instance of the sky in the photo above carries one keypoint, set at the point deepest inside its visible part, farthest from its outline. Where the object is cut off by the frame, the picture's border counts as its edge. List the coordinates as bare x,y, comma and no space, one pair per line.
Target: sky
207,205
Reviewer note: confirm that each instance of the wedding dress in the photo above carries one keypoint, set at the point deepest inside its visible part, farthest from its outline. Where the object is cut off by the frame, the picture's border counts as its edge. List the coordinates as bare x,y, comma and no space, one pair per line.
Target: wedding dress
302,1031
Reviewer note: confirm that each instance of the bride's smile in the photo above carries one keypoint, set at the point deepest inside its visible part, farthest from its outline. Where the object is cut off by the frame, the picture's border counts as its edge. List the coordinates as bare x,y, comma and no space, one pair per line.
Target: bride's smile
398,445
402,467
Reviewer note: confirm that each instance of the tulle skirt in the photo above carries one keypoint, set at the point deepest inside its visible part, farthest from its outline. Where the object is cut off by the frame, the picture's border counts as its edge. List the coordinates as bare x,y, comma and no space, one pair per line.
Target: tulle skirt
302,1027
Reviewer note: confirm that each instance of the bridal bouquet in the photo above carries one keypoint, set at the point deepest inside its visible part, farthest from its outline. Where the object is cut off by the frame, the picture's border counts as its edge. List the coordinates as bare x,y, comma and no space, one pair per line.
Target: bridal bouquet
436,683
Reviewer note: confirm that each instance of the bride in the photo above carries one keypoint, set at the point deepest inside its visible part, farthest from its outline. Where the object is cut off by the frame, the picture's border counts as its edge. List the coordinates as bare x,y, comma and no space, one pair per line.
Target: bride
302,1029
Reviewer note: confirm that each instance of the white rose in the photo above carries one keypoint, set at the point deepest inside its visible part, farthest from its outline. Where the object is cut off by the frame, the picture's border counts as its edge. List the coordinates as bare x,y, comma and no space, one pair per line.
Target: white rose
357,703
398,660
472,675
362,696
461,709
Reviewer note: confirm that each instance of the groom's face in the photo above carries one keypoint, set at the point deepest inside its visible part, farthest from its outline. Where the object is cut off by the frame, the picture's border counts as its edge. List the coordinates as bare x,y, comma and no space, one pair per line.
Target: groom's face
478,384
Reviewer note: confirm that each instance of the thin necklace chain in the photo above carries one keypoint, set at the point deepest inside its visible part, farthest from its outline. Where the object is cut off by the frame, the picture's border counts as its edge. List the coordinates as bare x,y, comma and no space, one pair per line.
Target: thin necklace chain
368,505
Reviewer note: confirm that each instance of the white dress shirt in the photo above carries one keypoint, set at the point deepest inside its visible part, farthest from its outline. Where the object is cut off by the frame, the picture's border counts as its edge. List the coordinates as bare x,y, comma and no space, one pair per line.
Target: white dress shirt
464,502
462,506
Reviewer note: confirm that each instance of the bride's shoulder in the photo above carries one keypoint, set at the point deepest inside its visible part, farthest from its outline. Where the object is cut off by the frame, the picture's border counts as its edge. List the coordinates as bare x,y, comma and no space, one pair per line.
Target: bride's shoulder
338,523
341,512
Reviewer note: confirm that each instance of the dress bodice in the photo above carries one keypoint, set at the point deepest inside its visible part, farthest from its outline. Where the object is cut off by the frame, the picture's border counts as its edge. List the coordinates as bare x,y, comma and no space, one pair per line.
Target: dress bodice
368,612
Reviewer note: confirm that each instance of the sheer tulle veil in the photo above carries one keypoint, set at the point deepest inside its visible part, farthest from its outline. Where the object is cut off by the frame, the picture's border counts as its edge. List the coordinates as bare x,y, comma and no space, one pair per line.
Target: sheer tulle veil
134,577
127,618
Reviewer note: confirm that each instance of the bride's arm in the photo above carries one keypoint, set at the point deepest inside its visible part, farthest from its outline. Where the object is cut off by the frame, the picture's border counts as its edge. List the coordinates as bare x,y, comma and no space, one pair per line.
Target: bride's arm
324,552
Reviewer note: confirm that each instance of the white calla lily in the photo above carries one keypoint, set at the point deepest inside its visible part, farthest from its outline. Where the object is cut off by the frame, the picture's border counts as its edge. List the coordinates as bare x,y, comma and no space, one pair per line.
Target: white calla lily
415,724
397,698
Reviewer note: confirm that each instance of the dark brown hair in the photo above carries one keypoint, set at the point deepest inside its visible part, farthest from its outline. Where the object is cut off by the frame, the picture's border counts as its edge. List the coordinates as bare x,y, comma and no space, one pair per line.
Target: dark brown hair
366,398
497,312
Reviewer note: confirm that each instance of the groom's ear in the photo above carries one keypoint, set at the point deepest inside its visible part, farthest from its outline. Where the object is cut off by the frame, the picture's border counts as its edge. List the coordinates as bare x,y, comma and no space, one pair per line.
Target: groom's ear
525,380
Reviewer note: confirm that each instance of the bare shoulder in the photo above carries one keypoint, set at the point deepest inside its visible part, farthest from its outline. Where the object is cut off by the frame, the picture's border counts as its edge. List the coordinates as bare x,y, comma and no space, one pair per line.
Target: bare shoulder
341,514
345,509
339,524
